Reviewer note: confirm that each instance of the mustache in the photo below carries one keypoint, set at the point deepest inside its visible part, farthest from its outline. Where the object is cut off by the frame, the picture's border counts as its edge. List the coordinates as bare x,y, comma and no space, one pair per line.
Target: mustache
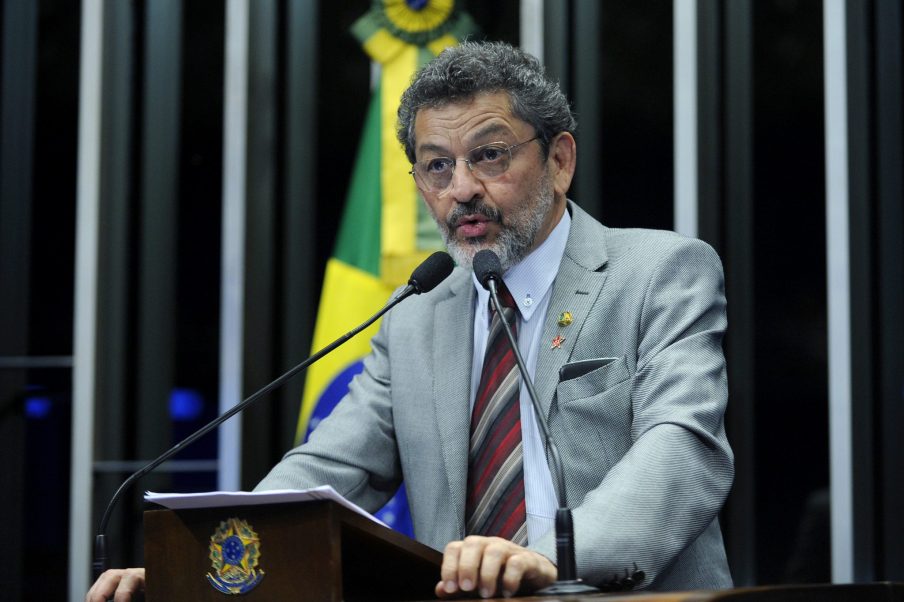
475,207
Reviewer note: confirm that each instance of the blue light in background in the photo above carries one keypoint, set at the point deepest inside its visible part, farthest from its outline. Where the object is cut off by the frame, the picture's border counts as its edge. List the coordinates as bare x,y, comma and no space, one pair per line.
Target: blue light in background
185,405
38,408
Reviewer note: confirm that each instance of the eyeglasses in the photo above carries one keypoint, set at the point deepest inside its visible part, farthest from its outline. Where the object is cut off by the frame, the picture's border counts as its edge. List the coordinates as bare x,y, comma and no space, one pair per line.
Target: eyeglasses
485,161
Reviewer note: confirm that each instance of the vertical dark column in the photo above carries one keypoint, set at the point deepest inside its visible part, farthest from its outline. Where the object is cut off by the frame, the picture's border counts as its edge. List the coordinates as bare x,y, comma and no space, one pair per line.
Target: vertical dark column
556,42
260,241
636,139
299,202
890,265
112,425
115,200
585,61
17,101
158,197
739,275
790,293
710,164
861,200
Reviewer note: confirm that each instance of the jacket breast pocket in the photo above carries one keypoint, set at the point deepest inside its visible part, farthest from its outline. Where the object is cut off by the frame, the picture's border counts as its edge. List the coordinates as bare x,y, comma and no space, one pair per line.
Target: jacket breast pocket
594,416
610,374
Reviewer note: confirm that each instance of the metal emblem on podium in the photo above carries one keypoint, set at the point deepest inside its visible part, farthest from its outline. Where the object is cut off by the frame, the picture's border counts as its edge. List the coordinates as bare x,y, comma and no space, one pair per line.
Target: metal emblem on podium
234,553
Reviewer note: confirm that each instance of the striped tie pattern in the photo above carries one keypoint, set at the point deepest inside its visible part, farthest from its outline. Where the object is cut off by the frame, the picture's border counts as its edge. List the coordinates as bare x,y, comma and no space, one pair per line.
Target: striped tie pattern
495,503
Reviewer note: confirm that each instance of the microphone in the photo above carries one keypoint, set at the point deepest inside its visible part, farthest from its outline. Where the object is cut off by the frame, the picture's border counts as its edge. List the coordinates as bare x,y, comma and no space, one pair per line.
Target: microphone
488,270
425,277
431,272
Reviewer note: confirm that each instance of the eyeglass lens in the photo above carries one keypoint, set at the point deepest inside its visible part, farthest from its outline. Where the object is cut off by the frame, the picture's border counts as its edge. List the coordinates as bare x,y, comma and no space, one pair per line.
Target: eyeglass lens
487,161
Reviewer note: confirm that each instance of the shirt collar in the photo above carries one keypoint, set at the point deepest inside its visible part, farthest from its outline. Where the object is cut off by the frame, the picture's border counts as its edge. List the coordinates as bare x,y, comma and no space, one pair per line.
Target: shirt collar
531,278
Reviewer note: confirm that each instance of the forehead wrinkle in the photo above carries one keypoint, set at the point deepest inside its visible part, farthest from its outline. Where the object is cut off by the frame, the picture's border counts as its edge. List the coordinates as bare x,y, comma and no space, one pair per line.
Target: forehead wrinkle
466,125
484,135
490,130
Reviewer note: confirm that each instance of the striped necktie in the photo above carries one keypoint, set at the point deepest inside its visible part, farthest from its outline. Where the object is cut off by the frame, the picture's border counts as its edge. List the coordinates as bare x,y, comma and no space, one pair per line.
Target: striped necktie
495,503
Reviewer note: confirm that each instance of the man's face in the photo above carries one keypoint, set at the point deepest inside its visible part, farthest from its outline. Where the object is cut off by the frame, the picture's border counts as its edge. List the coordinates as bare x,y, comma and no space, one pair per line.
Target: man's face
511,213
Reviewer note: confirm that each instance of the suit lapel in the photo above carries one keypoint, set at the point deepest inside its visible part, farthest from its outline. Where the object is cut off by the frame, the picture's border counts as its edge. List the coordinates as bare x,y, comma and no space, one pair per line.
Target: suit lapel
576,288
453,344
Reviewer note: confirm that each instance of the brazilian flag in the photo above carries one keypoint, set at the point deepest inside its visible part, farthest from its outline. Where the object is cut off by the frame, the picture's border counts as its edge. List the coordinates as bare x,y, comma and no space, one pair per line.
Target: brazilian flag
385,230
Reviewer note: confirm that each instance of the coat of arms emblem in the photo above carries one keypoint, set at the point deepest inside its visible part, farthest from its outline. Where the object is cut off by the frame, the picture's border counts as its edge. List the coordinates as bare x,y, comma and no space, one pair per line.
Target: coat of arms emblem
234,553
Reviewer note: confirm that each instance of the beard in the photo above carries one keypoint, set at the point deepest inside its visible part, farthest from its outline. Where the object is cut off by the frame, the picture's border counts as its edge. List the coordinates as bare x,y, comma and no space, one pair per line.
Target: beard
517,229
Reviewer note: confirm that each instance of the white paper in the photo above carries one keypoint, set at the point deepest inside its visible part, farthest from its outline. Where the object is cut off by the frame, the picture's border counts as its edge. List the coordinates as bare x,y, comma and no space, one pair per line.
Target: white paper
219,499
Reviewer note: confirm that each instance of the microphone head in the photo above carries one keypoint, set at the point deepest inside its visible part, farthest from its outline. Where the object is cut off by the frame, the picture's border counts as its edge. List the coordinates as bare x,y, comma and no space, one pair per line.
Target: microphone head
431,272
486,267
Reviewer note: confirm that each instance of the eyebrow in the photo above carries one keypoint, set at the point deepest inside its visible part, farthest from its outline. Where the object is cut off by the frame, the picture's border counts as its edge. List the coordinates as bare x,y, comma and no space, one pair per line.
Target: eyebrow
482,134
436,148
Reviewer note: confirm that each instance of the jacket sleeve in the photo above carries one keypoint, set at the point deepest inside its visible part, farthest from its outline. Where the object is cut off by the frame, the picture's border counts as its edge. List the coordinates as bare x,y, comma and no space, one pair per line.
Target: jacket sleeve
354,448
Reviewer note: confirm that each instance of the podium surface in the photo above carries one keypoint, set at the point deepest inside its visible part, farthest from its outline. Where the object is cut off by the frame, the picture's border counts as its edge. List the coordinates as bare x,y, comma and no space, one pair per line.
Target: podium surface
861,592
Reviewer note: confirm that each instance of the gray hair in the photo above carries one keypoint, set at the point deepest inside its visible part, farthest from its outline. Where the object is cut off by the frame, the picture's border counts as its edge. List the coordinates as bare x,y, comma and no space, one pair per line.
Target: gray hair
462,72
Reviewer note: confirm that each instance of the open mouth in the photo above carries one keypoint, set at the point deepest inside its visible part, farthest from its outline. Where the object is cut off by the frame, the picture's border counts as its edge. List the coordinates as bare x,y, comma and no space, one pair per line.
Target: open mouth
472,226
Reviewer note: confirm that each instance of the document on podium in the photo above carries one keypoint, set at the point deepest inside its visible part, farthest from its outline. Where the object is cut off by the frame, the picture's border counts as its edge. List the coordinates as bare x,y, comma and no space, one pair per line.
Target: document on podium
218,499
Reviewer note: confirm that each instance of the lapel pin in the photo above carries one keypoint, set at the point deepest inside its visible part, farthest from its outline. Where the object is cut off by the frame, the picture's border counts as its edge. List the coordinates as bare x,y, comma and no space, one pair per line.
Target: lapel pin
557,342
565,318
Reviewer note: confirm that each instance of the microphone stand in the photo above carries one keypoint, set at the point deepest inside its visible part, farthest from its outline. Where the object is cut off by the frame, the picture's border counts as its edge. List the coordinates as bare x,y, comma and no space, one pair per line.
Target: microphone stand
567,582
100,563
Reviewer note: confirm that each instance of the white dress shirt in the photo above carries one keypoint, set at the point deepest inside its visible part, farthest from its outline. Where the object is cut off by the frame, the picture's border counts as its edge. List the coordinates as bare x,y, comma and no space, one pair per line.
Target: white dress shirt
530,283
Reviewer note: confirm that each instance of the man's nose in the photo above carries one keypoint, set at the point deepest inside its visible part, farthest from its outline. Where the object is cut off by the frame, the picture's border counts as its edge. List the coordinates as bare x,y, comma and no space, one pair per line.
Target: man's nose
465,186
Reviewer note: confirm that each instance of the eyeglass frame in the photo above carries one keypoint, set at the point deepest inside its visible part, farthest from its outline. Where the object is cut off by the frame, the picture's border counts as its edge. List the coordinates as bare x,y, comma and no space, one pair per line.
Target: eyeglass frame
509,148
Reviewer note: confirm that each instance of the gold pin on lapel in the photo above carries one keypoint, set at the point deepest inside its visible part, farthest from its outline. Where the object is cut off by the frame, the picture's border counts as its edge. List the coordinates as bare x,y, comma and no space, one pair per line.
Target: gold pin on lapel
565,318
557,342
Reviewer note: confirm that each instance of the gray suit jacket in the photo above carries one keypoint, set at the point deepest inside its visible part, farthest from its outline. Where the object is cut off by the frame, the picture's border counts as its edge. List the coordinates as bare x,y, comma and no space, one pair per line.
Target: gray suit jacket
647,464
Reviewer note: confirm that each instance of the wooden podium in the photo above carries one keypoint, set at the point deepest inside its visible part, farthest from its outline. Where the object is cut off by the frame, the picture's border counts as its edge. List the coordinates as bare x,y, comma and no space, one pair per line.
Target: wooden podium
308,551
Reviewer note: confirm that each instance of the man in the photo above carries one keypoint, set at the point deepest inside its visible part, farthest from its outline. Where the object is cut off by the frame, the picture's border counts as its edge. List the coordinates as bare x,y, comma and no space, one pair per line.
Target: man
639,426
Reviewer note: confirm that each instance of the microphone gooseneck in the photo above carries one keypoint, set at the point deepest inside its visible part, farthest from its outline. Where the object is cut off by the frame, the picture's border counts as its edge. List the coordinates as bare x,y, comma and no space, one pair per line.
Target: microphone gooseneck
488,270
425,277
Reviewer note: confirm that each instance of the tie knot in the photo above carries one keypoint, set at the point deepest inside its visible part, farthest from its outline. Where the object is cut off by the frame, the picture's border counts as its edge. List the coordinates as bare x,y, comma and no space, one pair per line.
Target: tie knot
509,307
505,297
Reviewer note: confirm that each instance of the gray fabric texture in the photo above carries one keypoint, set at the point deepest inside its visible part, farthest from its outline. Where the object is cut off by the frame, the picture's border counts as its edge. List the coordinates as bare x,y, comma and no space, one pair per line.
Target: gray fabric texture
647,463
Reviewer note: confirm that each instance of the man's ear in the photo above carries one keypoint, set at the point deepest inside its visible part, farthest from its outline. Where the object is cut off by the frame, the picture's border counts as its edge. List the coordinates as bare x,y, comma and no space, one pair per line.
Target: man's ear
562,161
